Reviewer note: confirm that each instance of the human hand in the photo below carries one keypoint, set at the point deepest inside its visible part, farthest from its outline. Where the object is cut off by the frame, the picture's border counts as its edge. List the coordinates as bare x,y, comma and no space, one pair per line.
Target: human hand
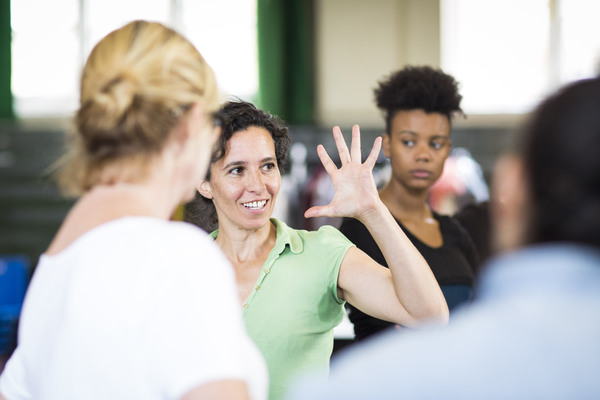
355,189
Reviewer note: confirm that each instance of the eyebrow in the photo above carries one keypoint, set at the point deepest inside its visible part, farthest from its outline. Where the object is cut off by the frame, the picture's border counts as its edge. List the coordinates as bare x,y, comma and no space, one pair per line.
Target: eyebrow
233,164
405,131
243,163
413,133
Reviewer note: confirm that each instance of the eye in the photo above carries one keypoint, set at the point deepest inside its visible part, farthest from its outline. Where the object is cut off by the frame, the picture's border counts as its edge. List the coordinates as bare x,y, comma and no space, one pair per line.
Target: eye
408,142
236,171
437,144
269,166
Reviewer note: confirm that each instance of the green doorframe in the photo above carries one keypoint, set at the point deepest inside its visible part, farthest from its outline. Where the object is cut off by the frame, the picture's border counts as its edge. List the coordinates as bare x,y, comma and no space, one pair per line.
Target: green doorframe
6,99
286,59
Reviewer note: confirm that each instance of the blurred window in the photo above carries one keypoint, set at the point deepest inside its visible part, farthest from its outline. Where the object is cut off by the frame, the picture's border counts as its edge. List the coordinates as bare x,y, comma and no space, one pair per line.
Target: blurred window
52,39
509,54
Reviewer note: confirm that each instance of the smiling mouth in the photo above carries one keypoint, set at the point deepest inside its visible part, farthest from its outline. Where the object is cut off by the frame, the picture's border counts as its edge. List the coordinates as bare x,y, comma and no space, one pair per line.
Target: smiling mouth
255,205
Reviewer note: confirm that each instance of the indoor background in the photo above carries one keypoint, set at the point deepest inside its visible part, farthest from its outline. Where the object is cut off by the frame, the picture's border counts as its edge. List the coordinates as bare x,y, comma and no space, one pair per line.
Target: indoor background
312,62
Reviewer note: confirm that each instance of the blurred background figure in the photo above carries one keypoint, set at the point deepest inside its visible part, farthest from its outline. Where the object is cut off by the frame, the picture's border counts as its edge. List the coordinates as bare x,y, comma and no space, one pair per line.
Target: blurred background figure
462,183
114,309
533,330
476,219
418,104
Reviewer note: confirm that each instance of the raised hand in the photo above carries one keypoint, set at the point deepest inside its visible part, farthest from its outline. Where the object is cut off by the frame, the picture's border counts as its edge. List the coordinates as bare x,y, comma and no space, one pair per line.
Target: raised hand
355,191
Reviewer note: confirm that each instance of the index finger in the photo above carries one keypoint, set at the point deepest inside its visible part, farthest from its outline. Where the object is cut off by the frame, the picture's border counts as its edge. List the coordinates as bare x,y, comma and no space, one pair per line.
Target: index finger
372,159
328,164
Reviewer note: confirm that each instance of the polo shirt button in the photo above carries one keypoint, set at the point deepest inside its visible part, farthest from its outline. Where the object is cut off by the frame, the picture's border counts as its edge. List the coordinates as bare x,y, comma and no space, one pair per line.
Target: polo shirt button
245,305
267,271
258,287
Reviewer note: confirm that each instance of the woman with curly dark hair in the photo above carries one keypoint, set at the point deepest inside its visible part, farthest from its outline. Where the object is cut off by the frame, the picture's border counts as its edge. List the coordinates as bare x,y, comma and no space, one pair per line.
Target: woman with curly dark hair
418,104
293,283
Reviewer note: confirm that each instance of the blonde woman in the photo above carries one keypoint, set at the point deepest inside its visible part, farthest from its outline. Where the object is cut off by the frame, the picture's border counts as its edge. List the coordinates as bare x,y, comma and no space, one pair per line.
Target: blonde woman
124,303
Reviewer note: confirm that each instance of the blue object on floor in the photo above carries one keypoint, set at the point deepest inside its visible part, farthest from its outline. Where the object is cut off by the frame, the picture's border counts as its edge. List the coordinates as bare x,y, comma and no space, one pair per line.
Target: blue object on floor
14,278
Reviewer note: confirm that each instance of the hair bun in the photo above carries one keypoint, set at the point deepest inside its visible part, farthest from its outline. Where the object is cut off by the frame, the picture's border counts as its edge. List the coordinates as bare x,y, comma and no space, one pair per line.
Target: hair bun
131,81
107,108
117,96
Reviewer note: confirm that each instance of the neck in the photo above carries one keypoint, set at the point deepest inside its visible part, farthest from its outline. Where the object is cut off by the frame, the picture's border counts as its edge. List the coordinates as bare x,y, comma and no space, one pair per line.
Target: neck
243,244
123,199
105,203
404,204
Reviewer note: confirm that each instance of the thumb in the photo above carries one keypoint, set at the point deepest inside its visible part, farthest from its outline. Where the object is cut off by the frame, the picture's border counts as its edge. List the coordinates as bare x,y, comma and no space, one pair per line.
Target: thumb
317,211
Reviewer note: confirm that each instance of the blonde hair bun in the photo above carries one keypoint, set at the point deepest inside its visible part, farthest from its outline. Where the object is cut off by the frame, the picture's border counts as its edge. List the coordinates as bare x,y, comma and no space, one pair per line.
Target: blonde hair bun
134,85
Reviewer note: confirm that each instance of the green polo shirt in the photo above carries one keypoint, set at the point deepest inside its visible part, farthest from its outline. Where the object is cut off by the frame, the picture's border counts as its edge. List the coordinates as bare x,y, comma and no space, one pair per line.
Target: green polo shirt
292,310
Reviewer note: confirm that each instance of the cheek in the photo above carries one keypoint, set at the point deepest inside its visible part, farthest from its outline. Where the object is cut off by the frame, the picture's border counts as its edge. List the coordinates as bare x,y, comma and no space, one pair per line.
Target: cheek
224,193
440,164
401,154
203,158
398,162
194,162
274,185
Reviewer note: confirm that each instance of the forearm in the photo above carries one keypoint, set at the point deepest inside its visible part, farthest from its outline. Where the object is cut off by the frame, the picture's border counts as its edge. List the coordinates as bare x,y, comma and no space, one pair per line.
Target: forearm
414,283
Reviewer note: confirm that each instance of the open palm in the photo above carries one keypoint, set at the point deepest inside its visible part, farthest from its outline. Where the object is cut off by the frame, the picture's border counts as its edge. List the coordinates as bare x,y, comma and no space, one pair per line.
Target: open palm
355,189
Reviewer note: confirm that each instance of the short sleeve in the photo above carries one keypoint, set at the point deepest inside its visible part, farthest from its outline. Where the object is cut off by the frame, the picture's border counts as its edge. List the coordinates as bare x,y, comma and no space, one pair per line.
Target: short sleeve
333,246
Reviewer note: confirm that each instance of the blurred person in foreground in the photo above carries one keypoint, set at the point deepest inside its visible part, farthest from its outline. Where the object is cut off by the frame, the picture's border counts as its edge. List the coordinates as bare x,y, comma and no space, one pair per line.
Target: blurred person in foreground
293,284
124,303
418,104
532,332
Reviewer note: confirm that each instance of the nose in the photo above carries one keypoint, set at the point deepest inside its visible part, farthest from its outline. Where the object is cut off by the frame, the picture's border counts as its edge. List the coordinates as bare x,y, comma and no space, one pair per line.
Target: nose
255,182
423,152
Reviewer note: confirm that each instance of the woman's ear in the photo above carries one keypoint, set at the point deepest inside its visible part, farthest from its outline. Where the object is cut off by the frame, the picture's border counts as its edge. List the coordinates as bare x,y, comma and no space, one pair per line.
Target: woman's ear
204,190
385,144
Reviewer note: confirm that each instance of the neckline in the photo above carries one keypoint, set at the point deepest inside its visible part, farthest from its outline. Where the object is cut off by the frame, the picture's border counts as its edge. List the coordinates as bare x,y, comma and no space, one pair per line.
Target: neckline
412,236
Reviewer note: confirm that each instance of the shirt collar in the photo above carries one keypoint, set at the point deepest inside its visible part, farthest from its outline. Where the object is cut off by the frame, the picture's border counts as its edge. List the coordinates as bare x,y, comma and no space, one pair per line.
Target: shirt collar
285,236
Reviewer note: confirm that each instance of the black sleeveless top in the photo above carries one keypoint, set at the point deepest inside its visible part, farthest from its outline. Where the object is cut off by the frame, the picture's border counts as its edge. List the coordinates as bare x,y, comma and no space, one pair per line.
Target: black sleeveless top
453,265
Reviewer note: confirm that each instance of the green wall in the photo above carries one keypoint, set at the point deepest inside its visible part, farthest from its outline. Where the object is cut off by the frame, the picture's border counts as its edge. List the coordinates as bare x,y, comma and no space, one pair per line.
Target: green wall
286,59
6,101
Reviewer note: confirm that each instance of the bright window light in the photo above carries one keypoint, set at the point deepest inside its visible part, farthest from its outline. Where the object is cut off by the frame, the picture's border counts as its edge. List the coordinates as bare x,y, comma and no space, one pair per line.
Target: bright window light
226,37
580,39
50,45
45,56
509,54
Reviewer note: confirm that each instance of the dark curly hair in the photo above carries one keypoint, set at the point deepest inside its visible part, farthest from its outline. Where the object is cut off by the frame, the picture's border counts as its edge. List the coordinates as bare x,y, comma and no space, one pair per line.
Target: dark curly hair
560,153
237,116
413,88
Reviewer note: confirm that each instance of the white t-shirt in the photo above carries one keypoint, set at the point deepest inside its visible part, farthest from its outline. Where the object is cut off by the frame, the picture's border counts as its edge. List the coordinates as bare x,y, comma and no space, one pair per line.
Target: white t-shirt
137,308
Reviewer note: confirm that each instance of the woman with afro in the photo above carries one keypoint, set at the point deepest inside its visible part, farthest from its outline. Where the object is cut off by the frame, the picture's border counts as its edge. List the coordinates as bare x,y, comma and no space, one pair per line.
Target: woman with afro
418,104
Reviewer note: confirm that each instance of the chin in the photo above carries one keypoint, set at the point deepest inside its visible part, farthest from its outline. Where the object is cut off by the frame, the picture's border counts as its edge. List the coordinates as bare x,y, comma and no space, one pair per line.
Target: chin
257,223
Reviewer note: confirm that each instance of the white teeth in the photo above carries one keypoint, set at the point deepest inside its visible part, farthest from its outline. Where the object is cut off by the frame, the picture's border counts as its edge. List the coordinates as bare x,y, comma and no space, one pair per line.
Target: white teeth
255,205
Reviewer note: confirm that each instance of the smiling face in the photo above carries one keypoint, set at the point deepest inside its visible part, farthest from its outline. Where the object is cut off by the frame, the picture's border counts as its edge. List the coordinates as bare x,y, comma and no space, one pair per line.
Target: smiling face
417,147
245,182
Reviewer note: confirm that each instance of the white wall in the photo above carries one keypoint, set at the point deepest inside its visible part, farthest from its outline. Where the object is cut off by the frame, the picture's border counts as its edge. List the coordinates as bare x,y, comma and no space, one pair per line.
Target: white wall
361,41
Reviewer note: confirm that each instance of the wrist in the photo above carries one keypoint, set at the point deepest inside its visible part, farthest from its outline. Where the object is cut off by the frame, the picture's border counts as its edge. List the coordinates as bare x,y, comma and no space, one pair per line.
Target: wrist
376,212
